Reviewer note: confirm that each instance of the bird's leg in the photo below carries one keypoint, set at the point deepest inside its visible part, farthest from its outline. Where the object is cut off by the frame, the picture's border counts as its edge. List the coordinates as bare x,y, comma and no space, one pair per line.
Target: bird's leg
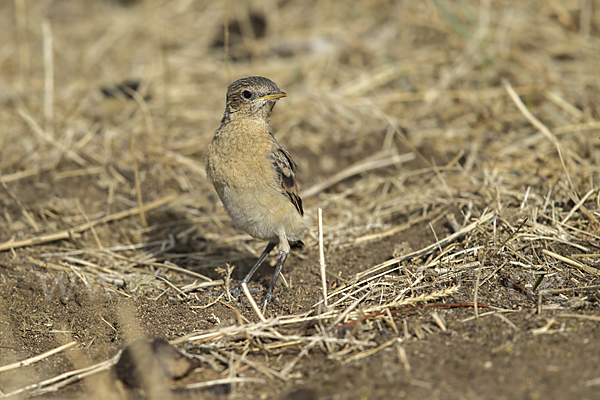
260,260
280,260
284,250
237,290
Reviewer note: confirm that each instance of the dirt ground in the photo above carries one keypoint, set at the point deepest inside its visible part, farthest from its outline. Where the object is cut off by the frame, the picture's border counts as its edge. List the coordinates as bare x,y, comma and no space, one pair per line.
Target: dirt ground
453,147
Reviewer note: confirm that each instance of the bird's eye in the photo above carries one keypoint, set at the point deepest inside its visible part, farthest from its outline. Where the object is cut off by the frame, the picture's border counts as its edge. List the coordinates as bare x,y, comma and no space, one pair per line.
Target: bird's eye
246,94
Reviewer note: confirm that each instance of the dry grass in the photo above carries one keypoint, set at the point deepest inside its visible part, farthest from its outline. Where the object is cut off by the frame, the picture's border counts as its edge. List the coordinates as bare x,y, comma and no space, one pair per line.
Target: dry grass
397,114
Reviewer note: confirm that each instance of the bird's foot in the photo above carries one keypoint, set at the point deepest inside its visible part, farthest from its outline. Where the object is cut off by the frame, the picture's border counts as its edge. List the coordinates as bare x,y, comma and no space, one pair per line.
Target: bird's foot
266,300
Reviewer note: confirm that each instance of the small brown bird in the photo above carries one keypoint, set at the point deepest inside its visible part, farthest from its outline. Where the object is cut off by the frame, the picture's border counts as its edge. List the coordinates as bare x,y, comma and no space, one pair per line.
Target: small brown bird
253,174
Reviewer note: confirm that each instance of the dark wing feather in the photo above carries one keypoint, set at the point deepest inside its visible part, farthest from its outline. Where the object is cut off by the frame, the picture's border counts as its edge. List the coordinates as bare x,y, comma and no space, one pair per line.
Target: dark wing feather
285,168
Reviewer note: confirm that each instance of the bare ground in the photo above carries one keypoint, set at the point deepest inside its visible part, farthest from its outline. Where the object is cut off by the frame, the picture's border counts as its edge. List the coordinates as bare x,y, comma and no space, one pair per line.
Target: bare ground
460,218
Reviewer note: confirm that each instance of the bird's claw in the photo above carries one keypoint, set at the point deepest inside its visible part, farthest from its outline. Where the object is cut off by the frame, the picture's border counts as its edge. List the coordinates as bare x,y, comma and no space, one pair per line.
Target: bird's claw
266,300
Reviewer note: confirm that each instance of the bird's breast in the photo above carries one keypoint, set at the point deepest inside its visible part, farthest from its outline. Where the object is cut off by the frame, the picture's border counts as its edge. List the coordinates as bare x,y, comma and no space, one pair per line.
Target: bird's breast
239,162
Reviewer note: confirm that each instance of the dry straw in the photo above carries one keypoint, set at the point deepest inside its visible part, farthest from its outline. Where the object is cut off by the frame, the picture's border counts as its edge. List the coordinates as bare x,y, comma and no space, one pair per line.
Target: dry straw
476,118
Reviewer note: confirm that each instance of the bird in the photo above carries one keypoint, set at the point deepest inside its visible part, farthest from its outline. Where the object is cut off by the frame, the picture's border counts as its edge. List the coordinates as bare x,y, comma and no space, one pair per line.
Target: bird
254,176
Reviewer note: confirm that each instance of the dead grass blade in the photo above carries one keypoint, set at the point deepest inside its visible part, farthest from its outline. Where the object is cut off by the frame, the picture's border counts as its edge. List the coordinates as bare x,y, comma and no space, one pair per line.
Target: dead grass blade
426,250
67,233
363,166
62,380
40,357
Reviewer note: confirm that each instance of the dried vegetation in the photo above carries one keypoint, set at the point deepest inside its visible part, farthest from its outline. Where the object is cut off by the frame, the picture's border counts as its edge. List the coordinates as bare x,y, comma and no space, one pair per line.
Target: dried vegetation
470,129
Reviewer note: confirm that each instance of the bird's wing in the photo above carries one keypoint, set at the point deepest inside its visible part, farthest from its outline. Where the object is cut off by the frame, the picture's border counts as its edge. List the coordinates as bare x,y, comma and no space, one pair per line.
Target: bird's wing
285,168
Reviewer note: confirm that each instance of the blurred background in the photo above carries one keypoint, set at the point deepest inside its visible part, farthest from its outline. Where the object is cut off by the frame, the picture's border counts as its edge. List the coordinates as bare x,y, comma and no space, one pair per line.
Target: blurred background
78,80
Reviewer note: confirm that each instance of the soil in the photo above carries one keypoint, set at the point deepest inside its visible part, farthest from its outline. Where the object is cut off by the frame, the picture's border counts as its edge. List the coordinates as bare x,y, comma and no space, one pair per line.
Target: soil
489,357
366,82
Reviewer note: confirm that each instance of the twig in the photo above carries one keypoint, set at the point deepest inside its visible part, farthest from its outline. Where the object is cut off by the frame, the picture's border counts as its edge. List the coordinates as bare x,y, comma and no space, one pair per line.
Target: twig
322,260
37,358
48,77
79,172
539,125
559,101
426,250
96,237
402,357
67,233
173,267
224,381
508,321
48,138
578,205
347,311
145,109
396,229
193,165
25,174
62,380
577,127
24,210
580,316
439,321
288,367
369,352
266,371
138,185
410,308
165,280
252,302
359,167
571,262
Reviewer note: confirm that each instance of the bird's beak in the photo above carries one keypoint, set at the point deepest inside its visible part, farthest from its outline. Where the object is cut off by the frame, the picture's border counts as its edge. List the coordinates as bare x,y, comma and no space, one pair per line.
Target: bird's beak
275,96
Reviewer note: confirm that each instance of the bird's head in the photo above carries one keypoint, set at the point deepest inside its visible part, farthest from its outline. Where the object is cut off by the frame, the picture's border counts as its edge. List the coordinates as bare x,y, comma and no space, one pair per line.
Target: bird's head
252,96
